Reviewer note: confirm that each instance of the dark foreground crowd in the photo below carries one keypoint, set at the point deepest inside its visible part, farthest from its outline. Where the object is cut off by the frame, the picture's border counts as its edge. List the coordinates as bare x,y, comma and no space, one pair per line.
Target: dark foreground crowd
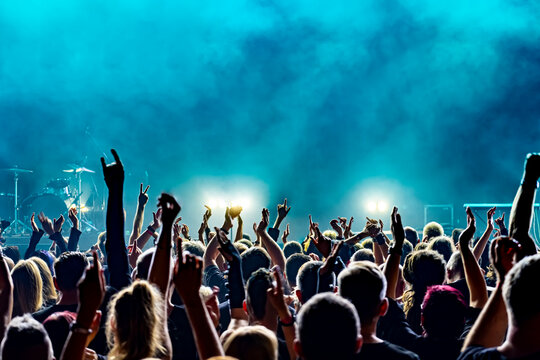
337,294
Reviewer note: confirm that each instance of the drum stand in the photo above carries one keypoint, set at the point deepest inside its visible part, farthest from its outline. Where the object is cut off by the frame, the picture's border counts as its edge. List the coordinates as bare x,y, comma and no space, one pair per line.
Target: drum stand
82,217
17,227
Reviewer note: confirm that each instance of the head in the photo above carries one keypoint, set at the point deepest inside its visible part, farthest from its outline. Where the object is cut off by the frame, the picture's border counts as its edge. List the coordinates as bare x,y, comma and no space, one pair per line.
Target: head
57,326
454,268
13,253
240,247
254,259
136,322
246,242
27,288
367,244
47,257
252,343
306,281
363,284
68,269
210,299
455,235
292,247
25,338
443,245
193,247
102,237
411,234
363,255
421,246
327,328
142,268
431,230
292,265
256,290
443,312
49,291
406,249
520,292
330,234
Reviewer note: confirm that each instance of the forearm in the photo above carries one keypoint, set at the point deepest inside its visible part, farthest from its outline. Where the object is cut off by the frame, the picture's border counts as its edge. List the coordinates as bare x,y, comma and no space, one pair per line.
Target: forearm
159,273
34,240
117,258
377,253
478,295
137,223
73,241
490,327
356,238
60,242
239,231
210,253
481,244
521,216
144,237
273,249
391,272
204,333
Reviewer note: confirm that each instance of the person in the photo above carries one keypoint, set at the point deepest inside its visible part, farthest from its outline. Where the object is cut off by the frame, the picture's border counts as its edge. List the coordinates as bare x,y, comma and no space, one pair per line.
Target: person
432,230
365,286
27,288
293,265
328,328
26,338
49,291
443,245
252,343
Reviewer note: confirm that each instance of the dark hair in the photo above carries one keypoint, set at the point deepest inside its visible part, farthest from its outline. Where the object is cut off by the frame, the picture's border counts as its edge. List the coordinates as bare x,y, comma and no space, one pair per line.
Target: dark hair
143,263
292,247
69,268
443,245
365,286
443,312
193,247
411,234
328,328
406,249
253,259
293,264
363,254
256,290
455,235
13,253
57,326
22,337
520,289
306,280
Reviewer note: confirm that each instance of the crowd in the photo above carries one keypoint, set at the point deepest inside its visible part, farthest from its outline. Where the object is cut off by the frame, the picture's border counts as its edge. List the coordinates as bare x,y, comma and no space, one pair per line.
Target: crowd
337,294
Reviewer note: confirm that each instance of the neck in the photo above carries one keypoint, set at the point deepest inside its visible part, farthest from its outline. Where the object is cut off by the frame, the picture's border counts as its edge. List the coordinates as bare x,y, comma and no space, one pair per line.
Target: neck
69,297
369,332
268,322
521,341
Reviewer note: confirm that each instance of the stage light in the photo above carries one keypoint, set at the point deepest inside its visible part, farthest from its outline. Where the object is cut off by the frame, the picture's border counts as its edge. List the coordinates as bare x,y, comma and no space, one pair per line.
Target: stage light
382,206
371,206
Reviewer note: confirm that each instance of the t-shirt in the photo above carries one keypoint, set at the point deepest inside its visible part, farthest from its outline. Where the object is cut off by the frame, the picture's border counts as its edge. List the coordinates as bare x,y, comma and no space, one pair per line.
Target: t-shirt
383,351
482,353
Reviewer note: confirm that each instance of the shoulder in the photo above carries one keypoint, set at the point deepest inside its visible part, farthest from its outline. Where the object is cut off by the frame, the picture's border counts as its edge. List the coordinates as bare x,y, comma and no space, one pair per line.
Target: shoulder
480,353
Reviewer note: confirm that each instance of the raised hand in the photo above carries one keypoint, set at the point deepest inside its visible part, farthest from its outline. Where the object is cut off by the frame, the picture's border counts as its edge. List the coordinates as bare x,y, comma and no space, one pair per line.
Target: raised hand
227,224
265,219
169,209
490,214
113,173
467,234
322,243
91,292
330,261
226,248
72,215
397,228
156,224
187,277
286,234
500,222
335,225
282,211
532,167
207,214
46,223
143,196
185,231
503,255
275,296
57,227
347,232
134,254
343,222
33,223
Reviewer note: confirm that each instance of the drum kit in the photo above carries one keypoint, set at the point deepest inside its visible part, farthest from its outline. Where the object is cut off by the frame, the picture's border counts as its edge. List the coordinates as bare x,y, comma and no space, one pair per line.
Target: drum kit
57,197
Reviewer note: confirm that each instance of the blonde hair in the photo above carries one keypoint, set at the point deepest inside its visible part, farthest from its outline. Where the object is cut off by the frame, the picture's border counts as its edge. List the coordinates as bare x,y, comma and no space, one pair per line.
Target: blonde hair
135,329
252,343
27,288
49,291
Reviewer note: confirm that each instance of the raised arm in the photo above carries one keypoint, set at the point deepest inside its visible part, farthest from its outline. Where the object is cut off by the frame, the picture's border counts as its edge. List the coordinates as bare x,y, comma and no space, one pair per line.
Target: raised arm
522,208
54,230
75,233
34,239
204,224
391,269
187,280
240,229
481,244
478,295
268,242
151,230
161,261
490,328
139,214
117,259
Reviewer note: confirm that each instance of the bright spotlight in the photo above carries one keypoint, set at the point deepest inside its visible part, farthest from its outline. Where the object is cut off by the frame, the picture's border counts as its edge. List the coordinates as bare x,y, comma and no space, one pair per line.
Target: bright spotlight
371,206
382,206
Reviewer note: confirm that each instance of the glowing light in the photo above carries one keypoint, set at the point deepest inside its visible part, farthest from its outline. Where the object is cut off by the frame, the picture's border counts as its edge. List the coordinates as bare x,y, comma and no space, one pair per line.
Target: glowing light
382,206
371,206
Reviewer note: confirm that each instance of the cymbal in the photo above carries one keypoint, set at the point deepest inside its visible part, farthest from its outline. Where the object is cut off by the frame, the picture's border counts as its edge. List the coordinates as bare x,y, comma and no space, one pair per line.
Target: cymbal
17,170
78,170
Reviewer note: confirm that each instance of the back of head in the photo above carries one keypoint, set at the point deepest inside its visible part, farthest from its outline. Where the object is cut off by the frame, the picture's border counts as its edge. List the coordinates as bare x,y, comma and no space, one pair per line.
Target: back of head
252,343
443,312
136,320
254,259
455,235
363,255
13,253
49,292
68,269
364,285
454,267
143,263
292,247
411,234
241,247
57,326
521,292
25,338
292,266
367,244
246,242
424,268
47,257
193,247
307,280
256,290
443,245
328,328
406,249
27,288
433,229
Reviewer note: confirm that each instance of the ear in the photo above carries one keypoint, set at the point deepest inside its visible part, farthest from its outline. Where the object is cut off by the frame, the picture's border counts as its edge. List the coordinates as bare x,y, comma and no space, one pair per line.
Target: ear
299,295
298,348
359,342
55,283
383,308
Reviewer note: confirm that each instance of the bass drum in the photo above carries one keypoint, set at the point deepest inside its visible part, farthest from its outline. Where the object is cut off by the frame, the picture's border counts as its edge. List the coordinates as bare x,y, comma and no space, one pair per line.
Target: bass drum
51,205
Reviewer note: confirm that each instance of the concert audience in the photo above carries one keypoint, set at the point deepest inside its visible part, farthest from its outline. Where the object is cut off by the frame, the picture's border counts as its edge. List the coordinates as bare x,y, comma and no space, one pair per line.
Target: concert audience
336,294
